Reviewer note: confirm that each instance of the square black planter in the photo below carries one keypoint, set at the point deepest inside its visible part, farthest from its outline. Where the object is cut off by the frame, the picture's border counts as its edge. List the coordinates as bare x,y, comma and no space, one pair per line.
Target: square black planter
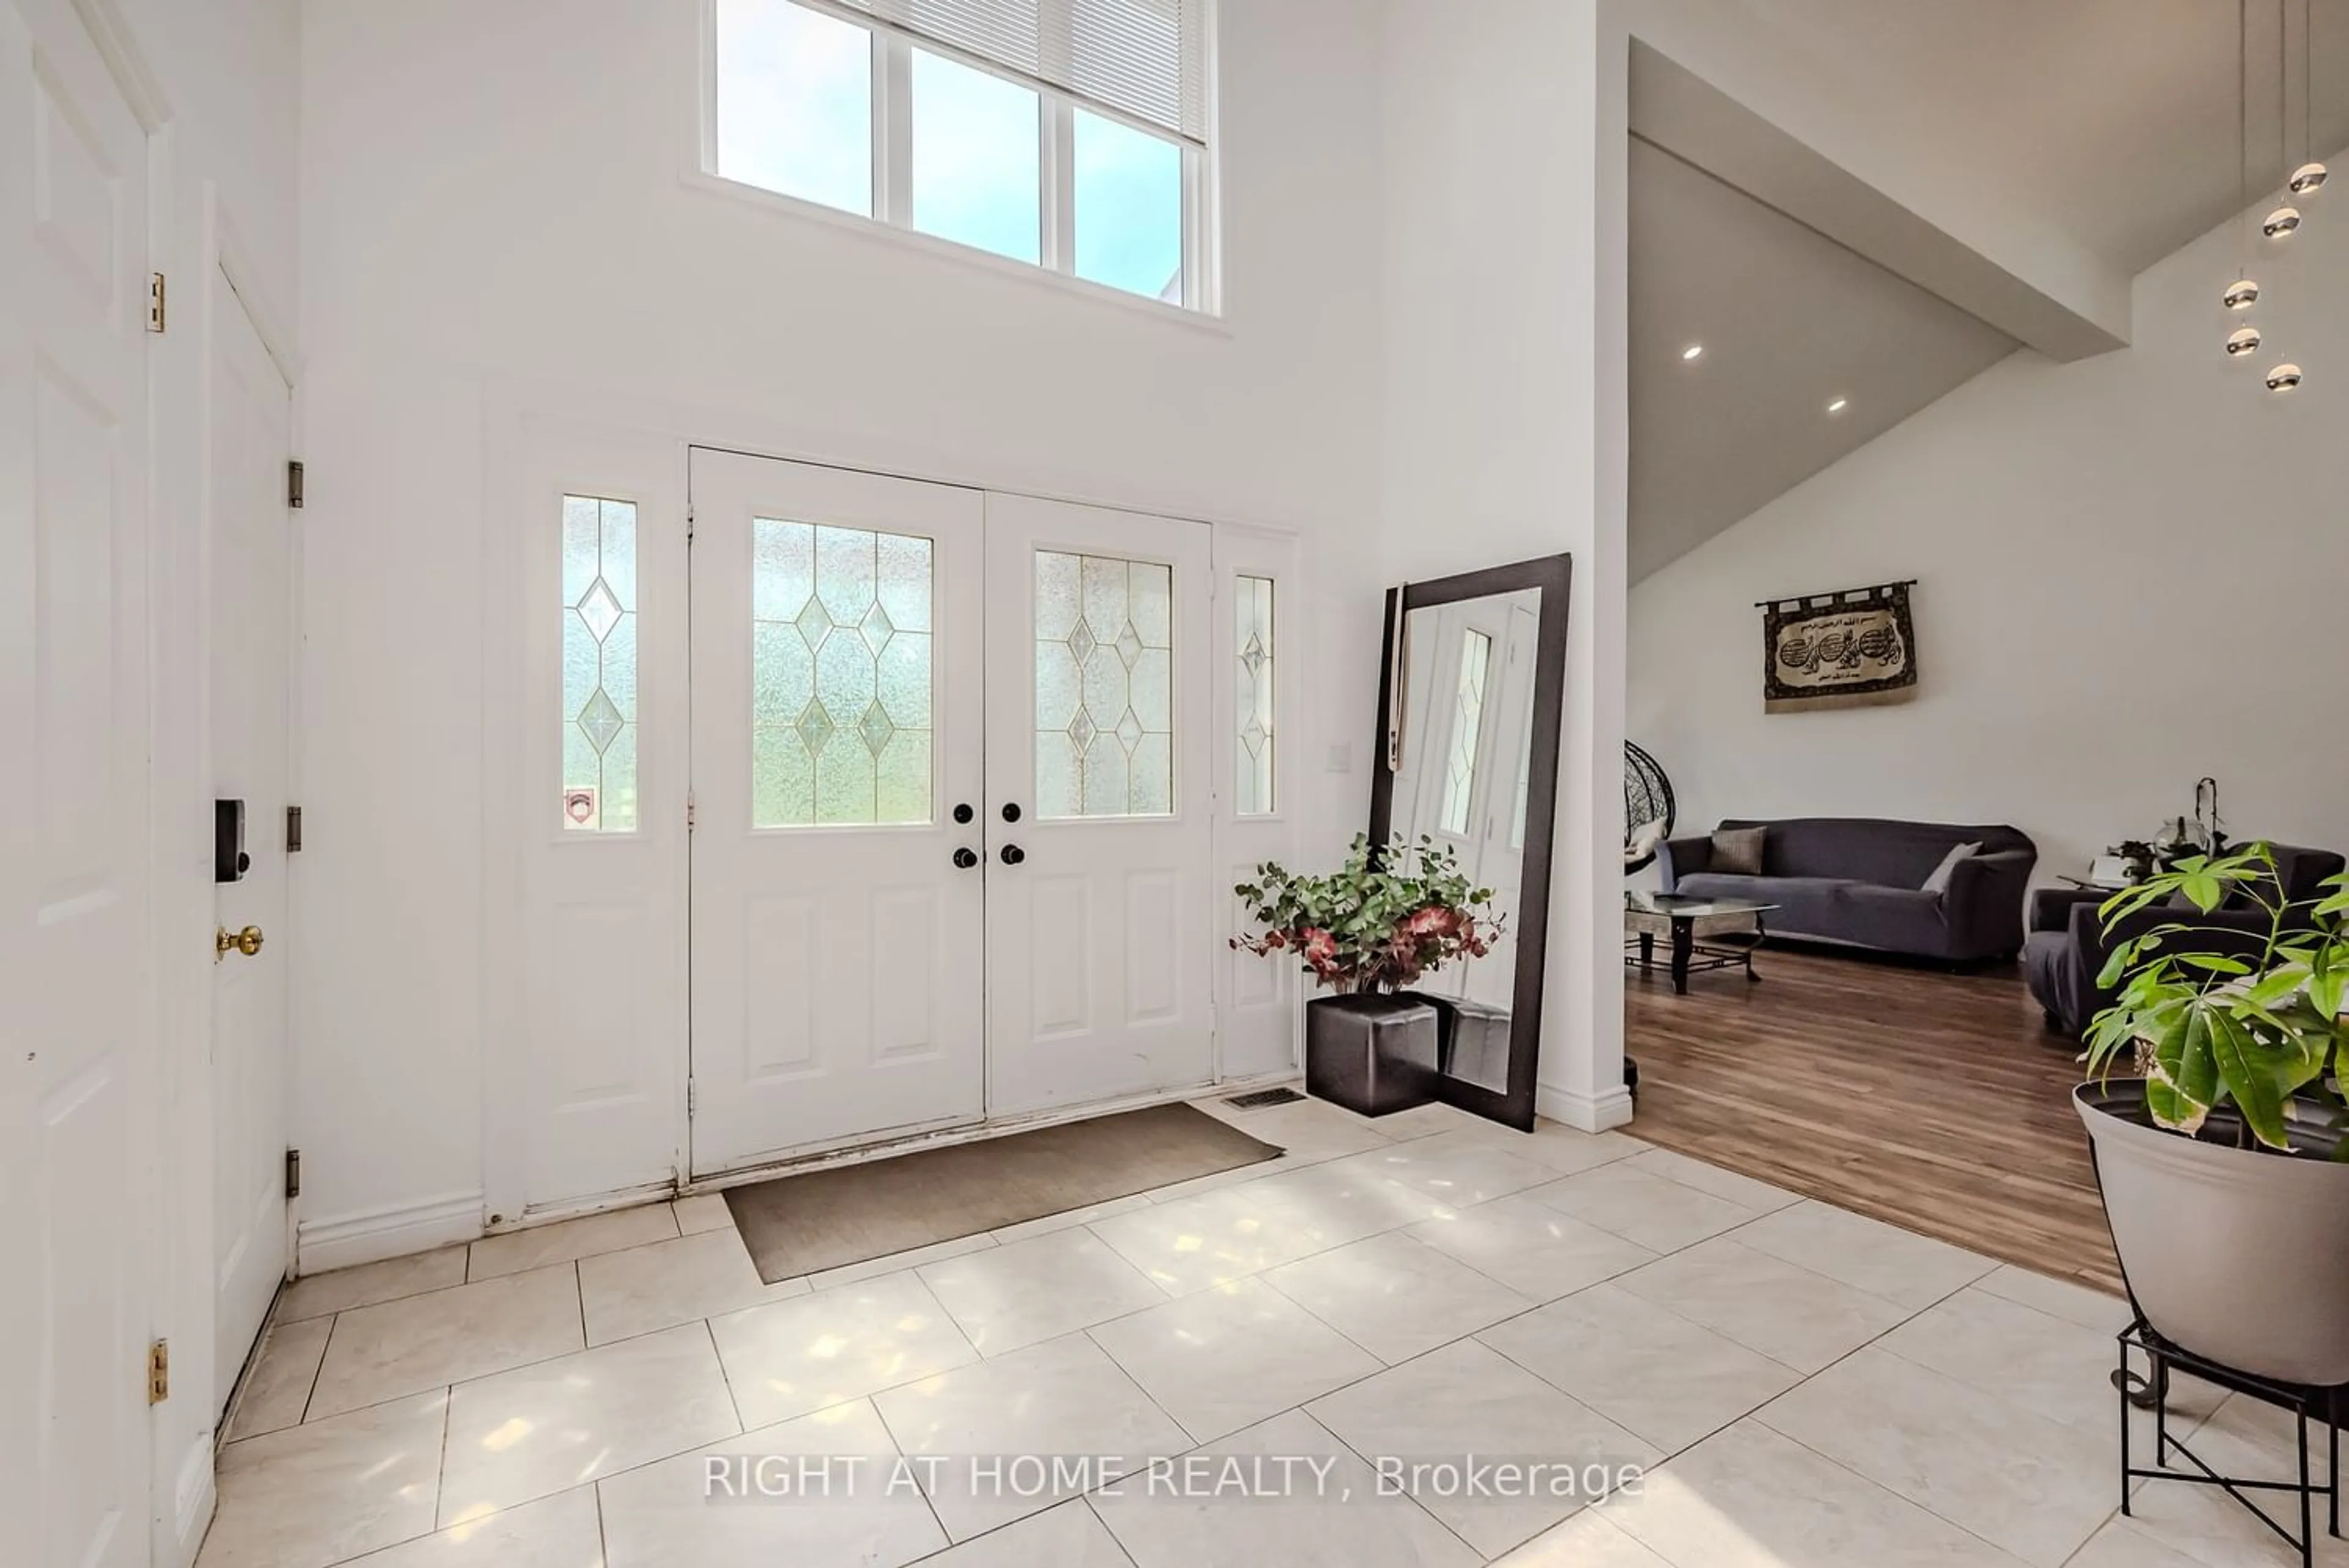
1373,1055
1473,1041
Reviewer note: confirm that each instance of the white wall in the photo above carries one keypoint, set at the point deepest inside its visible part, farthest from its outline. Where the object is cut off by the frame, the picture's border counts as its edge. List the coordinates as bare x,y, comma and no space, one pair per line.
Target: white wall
1505,233
495,220
2130,574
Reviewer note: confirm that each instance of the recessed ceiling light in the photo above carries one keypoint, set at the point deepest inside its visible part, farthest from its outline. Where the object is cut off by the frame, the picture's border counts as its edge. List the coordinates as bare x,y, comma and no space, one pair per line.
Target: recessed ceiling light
1694,351
1838,405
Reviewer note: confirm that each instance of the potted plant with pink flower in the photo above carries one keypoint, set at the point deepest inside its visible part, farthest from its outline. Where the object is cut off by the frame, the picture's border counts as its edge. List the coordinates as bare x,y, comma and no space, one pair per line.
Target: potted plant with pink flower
1382,920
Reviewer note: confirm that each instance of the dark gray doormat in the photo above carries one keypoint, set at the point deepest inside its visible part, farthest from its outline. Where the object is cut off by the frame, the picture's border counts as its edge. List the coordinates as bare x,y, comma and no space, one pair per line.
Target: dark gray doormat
798,1225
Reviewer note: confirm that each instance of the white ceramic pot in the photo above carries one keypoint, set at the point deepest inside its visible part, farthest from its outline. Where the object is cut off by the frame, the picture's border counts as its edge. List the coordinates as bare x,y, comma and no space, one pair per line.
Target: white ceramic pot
2236,1255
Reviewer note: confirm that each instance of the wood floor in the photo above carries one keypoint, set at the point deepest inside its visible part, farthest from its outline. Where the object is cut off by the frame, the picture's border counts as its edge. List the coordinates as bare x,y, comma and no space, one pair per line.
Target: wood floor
1933,1101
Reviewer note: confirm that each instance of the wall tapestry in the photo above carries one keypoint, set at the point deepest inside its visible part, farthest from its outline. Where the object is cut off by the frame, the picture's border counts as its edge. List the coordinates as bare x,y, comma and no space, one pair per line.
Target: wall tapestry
1844,649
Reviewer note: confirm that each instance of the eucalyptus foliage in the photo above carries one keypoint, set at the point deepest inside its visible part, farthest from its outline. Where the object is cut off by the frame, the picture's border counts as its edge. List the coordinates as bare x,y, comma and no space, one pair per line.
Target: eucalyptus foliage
2262,1034
1377,922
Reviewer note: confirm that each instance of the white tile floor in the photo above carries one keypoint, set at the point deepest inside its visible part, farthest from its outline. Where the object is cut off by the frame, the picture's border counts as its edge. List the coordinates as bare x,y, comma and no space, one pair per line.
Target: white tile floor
1801,1387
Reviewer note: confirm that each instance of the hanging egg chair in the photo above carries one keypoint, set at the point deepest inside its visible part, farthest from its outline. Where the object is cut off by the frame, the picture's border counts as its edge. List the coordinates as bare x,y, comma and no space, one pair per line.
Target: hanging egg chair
1647,808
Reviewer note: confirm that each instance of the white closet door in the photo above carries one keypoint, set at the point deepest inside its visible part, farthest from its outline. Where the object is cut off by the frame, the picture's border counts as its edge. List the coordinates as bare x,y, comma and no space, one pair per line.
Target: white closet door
838,723
77,946
1098,805
252,621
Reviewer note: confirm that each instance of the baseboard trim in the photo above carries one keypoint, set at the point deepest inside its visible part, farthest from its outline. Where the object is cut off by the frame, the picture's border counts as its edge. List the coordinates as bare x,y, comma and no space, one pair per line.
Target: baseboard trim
1583,1112
396,1230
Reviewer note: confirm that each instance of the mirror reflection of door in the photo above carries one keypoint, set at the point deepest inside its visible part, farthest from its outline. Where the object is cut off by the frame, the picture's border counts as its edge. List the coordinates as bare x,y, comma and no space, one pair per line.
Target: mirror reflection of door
1468,727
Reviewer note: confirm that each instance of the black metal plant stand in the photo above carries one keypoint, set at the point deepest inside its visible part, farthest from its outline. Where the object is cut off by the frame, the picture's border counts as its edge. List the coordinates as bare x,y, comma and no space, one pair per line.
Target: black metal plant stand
2327,1406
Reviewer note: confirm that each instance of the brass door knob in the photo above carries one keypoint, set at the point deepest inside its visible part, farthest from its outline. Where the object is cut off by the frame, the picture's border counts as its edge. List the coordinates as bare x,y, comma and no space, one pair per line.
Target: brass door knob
246,941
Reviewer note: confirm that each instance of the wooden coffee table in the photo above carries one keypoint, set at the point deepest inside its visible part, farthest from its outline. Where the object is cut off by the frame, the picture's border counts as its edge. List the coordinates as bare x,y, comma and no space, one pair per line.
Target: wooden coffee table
1685,920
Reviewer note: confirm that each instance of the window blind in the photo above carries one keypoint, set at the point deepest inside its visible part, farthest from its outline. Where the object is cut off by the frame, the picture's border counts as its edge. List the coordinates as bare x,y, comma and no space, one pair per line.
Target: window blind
1142,58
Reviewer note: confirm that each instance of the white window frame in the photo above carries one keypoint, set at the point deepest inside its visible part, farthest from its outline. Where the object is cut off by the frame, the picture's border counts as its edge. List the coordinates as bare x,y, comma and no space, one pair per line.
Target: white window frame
893,163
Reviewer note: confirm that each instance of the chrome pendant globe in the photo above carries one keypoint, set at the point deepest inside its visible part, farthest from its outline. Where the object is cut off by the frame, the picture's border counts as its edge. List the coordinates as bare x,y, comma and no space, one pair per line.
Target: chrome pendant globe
2242,340
2283,379
2281,223
2308,177
2241,295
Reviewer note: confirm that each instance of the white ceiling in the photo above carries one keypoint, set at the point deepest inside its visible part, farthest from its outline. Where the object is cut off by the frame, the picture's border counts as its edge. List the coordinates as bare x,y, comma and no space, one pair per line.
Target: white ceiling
1788,320
2115,120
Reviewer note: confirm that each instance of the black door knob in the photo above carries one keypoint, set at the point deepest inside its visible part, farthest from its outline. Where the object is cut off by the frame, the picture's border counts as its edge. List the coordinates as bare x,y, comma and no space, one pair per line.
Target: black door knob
1013,855
962,813
1010,813
965,858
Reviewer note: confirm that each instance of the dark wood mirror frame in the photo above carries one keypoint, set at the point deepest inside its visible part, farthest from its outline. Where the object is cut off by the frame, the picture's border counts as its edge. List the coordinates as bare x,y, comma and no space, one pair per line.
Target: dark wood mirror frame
1553,575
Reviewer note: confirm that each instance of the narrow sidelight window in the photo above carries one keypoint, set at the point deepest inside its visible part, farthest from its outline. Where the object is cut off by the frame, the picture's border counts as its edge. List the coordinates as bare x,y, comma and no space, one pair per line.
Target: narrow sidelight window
599,665
1252,709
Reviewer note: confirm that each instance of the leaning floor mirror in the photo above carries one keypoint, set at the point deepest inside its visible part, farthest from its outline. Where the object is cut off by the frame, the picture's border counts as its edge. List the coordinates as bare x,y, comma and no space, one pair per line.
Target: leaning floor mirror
1466,779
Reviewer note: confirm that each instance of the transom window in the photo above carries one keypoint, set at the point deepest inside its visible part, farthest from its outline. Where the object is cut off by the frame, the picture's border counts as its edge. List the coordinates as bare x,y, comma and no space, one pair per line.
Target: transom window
1067,134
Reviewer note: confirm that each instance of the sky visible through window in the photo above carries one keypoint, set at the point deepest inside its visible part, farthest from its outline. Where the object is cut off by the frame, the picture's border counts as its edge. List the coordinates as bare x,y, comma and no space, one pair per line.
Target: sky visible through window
795,115
1129,209
976,168
795,103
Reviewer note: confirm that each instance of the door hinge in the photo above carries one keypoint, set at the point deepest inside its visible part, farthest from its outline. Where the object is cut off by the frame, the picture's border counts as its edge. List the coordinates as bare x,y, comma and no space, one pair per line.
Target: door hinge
692,1098
293,1173
294,484
156,313
293,830
688,524
690,811
159,1372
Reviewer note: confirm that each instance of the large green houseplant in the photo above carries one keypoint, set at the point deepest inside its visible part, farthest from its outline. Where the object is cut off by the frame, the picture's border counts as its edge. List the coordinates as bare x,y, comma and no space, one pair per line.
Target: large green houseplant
2223,1157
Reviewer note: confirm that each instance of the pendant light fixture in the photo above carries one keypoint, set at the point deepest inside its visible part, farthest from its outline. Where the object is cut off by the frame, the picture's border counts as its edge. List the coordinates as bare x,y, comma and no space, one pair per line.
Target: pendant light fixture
2284,219
2310,177
2244,292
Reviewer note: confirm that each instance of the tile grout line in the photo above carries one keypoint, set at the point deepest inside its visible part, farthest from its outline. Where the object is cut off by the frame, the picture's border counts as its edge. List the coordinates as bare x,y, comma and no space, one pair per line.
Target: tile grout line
1085,1501
920,1489
311,1397
440,1471
1755,1413
1372,1465
384,1301
710,1329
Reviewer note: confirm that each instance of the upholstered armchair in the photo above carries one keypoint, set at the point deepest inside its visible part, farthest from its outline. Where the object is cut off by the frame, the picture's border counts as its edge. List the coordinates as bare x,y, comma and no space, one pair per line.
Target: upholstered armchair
2067,946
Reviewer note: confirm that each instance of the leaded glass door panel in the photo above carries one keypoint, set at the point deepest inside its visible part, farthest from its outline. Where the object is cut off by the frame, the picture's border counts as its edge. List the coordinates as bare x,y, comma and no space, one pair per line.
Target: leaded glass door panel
838,704
1099,652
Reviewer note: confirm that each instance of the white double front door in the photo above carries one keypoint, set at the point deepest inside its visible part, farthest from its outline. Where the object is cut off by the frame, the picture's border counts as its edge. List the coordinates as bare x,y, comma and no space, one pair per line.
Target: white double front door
951,806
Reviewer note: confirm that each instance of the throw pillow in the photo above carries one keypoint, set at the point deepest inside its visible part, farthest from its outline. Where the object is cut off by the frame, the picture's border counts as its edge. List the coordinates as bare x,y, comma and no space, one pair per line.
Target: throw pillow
1939,882
1643,841
1737,851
